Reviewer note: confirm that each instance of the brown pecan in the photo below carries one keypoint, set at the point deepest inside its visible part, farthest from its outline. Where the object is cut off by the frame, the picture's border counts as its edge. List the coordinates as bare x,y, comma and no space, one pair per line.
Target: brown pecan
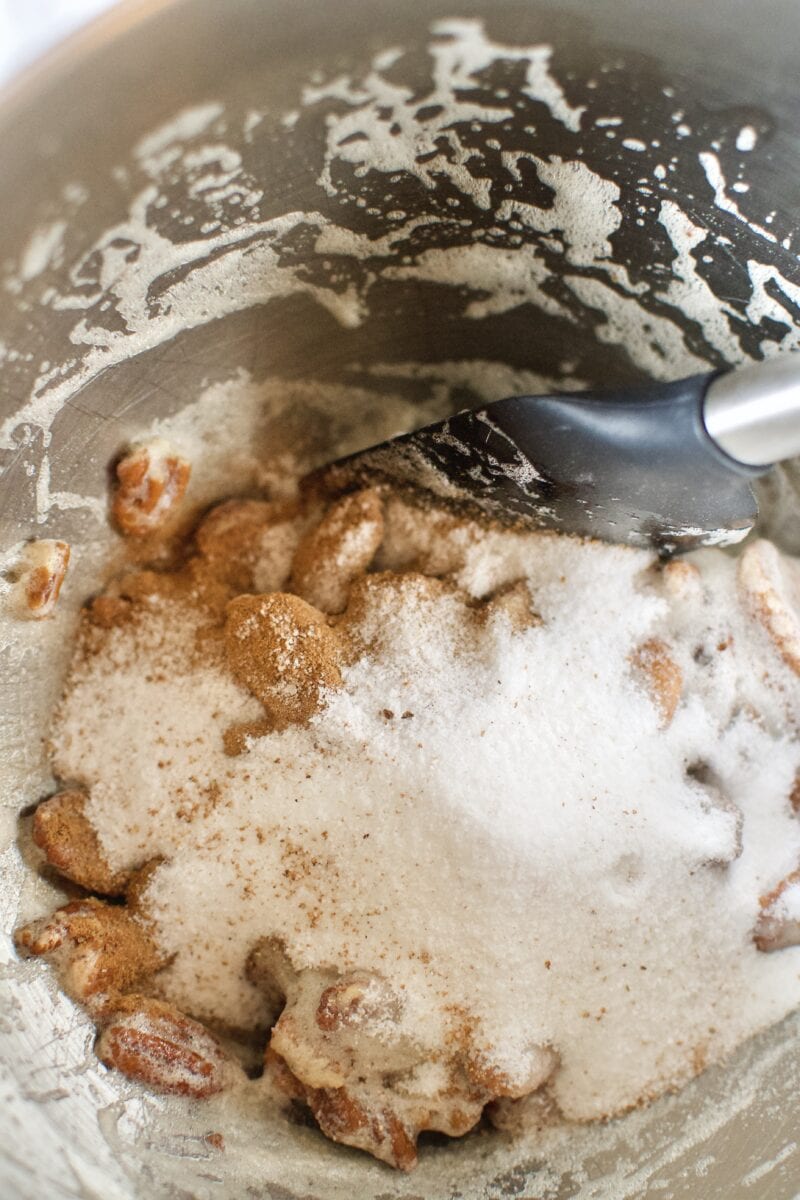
366,1108
69,842
98,949
338,550
153,1043
356,1002
245,540
381,1132
284,652
41,574
358,1073
661,675
151,482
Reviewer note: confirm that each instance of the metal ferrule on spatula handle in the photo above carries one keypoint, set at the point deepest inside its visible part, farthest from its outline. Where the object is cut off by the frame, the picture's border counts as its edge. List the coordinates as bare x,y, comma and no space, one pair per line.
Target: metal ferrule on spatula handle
753,413
668,466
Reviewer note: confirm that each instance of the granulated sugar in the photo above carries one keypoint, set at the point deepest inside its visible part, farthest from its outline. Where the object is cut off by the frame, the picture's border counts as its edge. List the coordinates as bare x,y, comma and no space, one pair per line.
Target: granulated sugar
491,813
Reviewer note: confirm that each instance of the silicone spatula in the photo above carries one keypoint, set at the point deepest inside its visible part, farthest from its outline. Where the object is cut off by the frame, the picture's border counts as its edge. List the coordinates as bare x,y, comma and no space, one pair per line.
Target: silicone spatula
667,465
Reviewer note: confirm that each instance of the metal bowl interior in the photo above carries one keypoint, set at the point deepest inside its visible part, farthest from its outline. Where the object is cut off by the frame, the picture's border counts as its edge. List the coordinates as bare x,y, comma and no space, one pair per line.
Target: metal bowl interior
286,231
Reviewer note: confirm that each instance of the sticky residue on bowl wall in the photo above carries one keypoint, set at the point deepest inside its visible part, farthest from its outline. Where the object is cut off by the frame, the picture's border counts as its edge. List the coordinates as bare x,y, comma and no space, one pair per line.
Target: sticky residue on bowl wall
489,183
456,187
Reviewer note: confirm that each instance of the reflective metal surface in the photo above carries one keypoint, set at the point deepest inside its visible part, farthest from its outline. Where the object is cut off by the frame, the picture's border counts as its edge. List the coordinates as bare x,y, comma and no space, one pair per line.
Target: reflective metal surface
128,289
754,413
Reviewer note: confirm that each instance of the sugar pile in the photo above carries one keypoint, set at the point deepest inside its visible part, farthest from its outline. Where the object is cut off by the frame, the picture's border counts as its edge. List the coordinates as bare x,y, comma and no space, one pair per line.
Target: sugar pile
496,819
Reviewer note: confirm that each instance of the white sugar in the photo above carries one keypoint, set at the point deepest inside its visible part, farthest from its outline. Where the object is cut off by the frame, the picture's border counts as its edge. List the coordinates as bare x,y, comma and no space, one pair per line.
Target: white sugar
491,819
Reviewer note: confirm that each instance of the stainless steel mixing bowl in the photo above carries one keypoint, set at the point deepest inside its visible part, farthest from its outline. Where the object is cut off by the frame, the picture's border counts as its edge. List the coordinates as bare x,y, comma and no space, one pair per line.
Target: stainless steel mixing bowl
286,197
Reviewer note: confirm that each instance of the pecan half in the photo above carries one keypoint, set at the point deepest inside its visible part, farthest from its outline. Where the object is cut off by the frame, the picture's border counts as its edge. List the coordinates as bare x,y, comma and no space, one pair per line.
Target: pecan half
339,1046
370,1115
661,675
69,842
284,652
357,1002
380,1131
338,550
41,574
248,543
98,949
157,1045
151,482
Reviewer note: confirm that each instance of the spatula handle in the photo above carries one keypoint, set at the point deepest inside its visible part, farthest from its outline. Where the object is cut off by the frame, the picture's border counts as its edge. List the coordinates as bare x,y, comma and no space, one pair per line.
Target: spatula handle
753,413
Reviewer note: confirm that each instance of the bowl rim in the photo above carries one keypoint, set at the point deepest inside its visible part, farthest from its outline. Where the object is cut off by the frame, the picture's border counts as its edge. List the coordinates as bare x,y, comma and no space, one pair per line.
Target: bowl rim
46,70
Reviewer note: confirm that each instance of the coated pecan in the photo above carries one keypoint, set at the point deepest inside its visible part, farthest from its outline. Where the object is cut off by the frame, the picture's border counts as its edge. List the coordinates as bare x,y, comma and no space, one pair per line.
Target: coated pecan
151,482
153,1043
338,550
248,543
99,950
661,675
284,652
41,574
341,1117
357,1001
69,842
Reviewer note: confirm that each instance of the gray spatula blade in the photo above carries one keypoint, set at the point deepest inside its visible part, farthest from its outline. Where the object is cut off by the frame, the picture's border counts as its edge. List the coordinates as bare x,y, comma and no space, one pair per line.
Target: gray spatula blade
638,469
